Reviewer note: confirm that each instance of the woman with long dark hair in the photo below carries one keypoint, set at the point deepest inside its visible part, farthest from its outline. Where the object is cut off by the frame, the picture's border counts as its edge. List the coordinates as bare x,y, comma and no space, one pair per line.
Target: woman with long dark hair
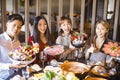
41,33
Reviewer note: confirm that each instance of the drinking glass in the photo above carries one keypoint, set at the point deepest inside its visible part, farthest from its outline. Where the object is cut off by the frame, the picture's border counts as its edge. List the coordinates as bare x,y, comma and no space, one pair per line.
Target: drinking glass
25,73
43,58
76,54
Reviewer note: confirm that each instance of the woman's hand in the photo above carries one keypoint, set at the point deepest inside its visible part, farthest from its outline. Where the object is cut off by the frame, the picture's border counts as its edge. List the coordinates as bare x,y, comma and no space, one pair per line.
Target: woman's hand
65,53
71,46
35,44
17,66
89,50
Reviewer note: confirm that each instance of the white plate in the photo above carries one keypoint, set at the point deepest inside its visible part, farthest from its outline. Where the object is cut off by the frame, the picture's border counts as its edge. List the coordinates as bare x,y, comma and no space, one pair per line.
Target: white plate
33,78
22,62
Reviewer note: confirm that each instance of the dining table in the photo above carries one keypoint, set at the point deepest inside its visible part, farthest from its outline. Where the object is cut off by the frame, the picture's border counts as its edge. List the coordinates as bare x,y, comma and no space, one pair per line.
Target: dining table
85,76
82,60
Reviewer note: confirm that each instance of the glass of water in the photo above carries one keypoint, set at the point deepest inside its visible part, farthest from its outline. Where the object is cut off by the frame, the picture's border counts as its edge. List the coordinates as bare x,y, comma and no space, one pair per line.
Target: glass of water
43,58
25,73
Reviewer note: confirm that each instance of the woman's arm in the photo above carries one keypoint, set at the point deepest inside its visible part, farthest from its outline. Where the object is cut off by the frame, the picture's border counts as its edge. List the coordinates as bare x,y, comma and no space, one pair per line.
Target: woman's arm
17,66
88,51
7,66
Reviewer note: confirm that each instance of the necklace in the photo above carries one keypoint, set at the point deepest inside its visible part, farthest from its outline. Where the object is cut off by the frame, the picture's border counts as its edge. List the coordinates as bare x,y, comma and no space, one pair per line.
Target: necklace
99,42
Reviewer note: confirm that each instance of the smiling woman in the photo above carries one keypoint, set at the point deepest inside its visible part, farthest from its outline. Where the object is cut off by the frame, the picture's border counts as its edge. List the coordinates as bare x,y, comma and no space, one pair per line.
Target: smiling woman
41,34
100,50
94,45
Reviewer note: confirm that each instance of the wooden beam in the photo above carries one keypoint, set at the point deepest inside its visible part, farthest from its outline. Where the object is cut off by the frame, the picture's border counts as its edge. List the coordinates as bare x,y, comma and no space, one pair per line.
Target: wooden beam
3,15
93,18
15,6
60,13
49,14
116,19
82,15
105,9
26,21
60,8
38,8
71,10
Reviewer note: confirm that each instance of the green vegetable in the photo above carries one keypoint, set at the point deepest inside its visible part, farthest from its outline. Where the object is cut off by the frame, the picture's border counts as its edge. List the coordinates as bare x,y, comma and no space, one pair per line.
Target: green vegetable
113,48
49,75
75,78
27,46
62,77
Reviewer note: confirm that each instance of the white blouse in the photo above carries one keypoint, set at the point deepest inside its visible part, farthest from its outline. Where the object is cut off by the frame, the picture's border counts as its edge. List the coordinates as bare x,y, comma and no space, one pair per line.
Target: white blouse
6,45
64,40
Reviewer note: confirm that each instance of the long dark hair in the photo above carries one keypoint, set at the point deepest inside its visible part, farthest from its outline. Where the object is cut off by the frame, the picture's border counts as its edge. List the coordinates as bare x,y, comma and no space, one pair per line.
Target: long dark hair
36,33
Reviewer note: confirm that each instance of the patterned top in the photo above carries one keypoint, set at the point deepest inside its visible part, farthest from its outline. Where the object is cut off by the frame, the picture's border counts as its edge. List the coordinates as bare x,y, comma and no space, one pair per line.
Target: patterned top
64,40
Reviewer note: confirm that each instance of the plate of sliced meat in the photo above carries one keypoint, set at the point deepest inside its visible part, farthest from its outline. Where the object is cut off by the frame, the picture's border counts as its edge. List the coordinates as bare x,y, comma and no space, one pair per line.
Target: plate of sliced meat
54,50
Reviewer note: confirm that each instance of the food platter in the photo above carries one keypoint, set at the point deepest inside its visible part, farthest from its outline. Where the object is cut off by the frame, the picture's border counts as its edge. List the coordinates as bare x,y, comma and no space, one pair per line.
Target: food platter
94,78
23,54
54,50
75,67
78,39
100,71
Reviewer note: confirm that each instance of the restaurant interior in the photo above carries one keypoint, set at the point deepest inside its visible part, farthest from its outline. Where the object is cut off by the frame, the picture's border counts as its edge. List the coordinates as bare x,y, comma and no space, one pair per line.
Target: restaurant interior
83,14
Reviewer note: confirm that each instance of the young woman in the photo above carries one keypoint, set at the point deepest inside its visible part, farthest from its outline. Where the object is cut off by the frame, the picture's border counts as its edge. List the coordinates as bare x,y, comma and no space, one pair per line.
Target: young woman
41,34
94,52
64,37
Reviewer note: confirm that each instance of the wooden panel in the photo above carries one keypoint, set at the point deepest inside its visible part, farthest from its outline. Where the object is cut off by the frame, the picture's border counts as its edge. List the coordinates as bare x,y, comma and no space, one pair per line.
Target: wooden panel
93,17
